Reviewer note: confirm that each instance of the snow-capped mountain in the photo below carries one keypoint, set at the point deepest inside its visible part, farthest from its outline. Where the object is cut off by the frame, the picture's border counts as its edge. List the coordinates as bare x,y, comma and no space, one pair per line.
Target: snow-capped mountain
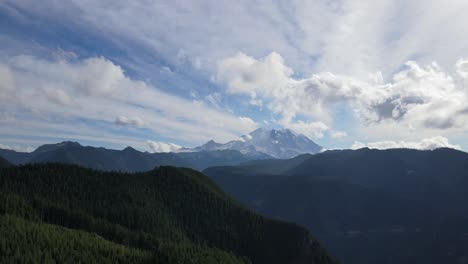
280,144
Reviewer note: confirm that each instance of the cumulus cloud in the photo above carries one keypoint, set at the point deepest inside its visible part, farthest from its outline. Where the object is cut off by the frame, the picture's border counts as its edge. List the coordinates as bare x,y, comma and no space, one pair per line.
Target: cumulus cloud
247,122
95,89
338,134
416,97
310,129
97,76
5,147
268,79
462,68
163,147
424,144
129,121
17,148
244,74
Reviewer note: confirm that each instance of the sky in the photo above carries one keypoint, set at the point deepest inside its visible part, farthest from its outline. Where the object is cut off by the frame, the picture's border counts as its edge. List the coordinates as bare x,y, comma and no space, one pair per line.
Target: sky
156,75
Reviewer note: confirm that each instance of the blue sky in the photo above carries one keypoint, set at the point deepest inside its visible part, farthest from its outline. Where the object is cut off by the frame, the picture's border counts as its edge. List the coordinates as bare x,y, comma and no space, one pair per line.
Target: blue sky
160,74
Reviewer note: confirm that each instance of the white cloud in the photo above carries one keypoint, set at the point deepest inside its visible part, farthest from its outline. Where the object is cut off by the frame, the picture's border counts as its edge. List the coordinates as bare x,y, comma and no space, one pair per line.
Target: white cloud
58,96
267,79
163,147
201,39
98,90
17,148
309,129
356,39
416,97
247,122
338,134
4,146
354,46
244,74
129,121
424,144
462,68
343,37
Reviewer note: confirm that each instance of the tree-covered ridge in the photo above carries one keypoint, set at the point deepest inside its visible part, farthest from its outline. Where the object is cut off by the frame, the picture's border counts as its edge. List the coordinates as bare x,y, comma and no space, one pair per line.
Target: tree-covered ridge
4,163
29,242
24,241
163,212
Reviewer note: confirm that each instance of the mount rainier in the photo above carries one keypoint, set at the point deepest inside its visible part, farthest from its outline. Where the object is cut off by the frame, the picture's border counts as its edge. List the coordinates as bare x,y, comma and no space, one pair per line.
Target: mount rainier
281,144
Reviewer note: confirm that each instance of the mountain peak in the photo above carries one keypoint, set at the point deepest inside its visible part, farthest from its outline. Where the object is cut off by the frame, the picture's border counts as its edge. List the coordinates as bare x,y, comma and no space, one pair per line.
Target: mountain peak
209,146
51,147
129,149
278,143
69,144
273,132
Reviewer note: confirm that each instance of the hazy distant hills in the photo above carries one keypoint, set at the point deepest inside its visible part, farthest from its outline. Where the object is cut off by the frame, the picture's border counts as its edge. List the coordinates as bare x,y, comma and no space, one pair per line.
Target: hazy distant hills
127,159
281,144
366,206
68,214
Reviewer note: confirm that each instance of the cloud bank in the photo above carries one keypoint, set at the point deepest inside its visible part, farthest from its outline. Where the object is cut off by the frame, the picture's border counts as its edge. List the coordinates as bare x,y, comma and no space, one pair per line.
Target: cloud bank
416,97
163,146
97,91
425,144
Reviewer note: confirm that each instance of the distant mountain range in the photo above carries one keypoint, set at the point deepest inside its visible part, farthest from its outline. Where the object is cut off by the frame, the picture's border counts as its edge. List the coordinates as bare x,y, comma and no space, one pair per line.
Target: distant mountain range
280,144
259,144
366,206
128,159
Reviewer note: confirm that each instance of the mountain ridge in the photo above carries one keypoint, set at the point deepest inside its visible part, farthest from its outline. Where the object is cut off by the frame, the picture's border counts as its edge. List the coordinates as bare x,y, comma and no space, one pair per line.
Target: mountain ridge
127,159
400,205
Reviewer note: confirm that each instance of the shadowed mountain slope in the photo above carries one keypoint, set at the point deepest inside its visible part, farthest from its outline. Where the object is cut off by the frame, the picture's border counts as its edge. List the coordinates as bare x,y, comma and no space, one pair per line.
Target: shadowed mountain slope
366,206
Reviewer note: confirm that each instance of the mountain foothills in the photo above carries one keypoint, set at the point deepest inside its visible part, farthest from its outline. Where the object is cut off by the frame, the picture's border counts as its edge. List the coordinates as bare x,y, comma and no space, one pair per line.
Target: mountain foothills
366,206
68,214
128,159
259,144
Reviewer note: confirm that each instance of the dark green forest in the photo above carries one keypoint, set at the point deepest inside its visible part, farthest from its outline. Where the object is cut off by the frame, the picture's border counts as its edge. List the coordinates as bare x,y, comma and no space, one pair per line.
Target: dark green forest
65,213
4,163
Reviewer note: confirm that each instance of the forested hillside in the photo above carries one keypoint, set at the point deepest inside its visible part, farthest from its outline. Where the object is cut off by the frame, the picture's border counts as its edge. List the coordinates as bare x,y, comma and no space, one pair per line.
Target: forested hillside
4,163
168,215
